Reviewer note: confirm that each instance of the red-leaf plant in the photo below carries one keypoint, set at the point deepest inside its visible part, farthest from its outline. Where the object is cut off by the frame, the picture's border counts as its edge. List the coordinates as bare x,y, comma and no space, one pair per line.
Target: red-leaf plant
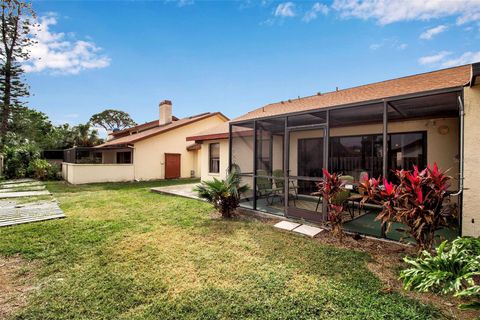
329,187
418,201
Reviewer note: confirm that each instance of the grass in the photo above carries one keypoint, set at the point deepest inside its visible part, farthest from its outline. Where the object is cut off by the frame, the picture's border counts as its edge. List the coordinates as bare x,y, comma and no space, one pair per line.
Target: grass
126,253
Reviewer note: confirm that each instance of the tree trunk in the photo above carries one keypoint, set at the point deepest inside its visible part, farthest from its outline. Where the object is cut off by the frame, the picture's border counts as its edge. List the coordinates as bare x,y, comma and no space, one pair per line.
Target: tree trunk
6,101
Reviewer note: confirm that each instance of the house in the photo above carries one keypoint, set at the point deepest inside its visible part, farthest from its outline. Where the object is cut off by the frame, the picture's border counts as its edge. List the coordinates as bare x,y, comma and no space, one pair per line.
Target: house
154,150
279,149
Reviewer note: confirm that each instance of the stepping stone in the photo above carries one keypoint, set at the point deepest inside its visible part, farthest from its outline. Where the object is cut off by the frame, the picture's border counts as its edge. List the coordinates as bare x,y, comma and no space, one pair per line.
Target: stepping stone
21,185
12,213
24,194
308,230
17,181
286,225
26,188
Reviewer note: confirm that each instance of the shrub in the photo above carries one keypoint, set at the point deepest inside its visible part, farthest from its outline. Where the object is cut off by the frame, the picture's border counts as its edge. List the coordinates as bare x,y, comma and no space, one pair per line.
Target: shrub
54,172
454,269
223,194
330,187
17,160
39,169
418,201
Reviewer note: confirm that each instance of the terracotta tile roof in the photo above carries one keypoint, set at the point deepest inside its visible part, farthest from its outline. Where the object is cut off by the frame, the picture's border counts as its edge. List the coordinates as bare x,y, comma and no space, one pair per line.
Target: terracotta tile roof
436,80
130,139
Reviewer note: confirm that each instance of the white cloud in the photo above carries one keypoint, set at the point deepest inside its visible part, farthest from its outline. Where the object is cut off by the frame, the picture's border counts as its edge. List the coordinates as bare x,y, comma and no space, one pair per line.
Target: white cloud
57,53
444,59
314,11
467,57
430,33
286,9
390,43
434,58
390,11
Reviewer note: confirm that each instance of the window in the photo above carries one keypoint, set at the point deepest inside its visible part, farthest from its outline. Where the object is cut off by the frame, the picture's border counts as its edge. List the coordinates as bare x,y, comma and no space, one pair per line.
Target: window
214,157
407,150
354,155
357,154
124,157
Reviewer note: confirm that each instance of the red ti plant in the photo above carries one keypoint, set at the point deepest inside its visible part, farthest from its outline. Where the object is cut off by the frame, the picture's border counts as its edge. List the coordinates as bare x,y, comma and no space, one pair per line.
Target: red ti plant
330,186
417,201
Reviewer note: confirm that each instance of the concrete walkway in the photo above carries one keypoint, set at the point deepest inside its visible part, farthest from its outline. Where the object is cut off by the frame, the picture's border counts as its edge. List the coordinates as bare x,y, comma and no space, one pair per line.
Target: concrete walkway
182,190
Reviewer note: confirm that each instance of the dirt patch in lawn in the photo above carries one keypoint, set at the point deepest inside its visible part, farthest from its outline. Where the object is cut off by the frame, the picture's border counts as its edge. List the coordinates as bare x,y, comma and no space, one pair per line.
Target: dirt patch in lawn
16,282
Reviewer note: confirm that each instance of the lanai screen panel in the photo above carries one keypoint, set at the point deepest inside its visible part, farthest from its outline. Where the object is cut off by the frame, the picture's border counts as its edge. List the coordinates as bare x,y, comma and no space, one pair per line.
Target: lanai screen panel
242,147
270,141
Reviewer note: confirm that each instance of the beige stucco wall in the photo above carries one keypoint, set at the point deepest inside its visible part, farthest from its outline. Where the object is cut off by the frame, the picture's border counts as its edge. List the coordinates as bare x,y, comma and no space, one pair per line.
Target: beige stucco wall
92,173
471,198
206,175
149,154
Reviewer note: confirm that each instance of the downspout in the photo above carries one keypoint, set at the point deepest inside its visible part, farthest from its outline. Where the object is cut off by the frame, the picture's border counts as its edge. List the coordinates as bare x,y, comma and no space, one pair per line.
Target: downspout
461,158
462,129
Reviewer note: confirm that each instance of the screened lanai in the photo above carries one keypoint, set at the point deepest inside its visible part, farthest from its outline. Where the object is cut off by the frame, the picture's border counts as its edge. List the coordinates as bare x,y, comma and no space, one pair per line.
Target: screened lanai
281,157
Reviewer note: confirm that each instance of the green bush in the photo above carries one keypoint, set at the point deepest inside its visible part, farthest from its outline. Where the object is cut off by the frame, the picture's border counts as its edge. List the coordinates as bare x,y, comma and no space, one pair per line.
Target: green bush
54,172
43,170
38,169
17,160
455,269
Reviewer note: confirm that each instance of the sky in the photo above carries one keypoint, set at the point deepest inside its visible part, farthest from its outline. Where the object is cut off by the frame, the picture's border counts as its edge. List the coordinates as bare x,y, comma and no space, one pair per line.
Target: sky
233,56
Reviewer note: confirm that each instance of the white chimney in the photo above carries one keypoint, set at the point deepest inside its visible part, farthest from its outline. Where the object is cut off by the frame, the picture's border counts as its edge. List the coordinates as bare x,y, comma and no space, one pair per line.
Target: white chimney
165,110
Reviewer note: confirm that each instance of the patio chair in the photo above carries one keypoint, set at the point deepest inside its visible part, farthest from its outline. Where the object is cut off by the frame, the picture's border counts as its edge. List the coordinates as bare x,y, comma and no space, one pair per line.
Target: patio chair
340,198
265,187
279,178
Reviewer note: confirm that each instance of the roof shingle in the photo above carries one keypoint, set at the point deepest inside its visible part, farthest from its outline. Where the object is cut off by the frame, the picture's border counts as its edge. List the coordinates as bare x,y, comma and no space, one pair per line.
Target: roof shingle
436,80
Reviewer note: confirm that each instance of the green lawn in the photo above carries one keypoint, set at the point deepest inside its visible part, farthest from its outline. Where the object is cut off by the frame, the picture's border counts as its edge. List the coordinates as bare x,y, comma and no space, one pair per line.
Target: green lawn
126,253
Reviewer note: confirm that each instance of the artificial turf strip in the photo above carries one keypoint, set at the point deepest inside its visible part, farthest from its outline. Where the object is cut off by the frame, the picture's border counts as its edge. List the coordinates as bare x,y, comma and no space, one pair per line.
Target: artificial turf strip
126,253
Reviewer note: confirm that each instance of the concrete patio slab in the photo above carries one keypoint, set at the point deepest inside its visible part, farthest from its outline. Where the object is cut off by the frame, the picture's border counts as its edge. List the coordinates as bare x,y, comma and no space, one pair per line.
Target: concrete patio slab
286,225
6,195
308,230
182,190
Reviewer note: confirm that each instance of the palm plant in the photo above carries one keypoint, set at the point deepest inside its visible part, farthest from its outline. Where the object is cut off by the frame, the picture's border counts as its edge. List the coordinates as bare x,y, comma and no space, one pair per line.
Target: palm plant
223,194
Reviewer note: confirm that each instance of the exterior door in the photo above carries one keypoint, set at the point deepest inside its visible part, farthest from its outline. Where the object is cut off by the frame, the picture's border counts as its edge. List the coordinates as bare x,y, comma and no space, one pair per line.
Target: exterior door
306,158
172,165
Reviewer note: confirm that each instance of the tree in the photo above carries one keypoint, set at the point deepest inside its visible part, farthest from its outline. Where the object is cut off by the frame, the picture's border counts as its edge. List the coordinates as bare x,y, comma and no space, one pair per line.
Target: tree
85,137
112,119
28,126
16,22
